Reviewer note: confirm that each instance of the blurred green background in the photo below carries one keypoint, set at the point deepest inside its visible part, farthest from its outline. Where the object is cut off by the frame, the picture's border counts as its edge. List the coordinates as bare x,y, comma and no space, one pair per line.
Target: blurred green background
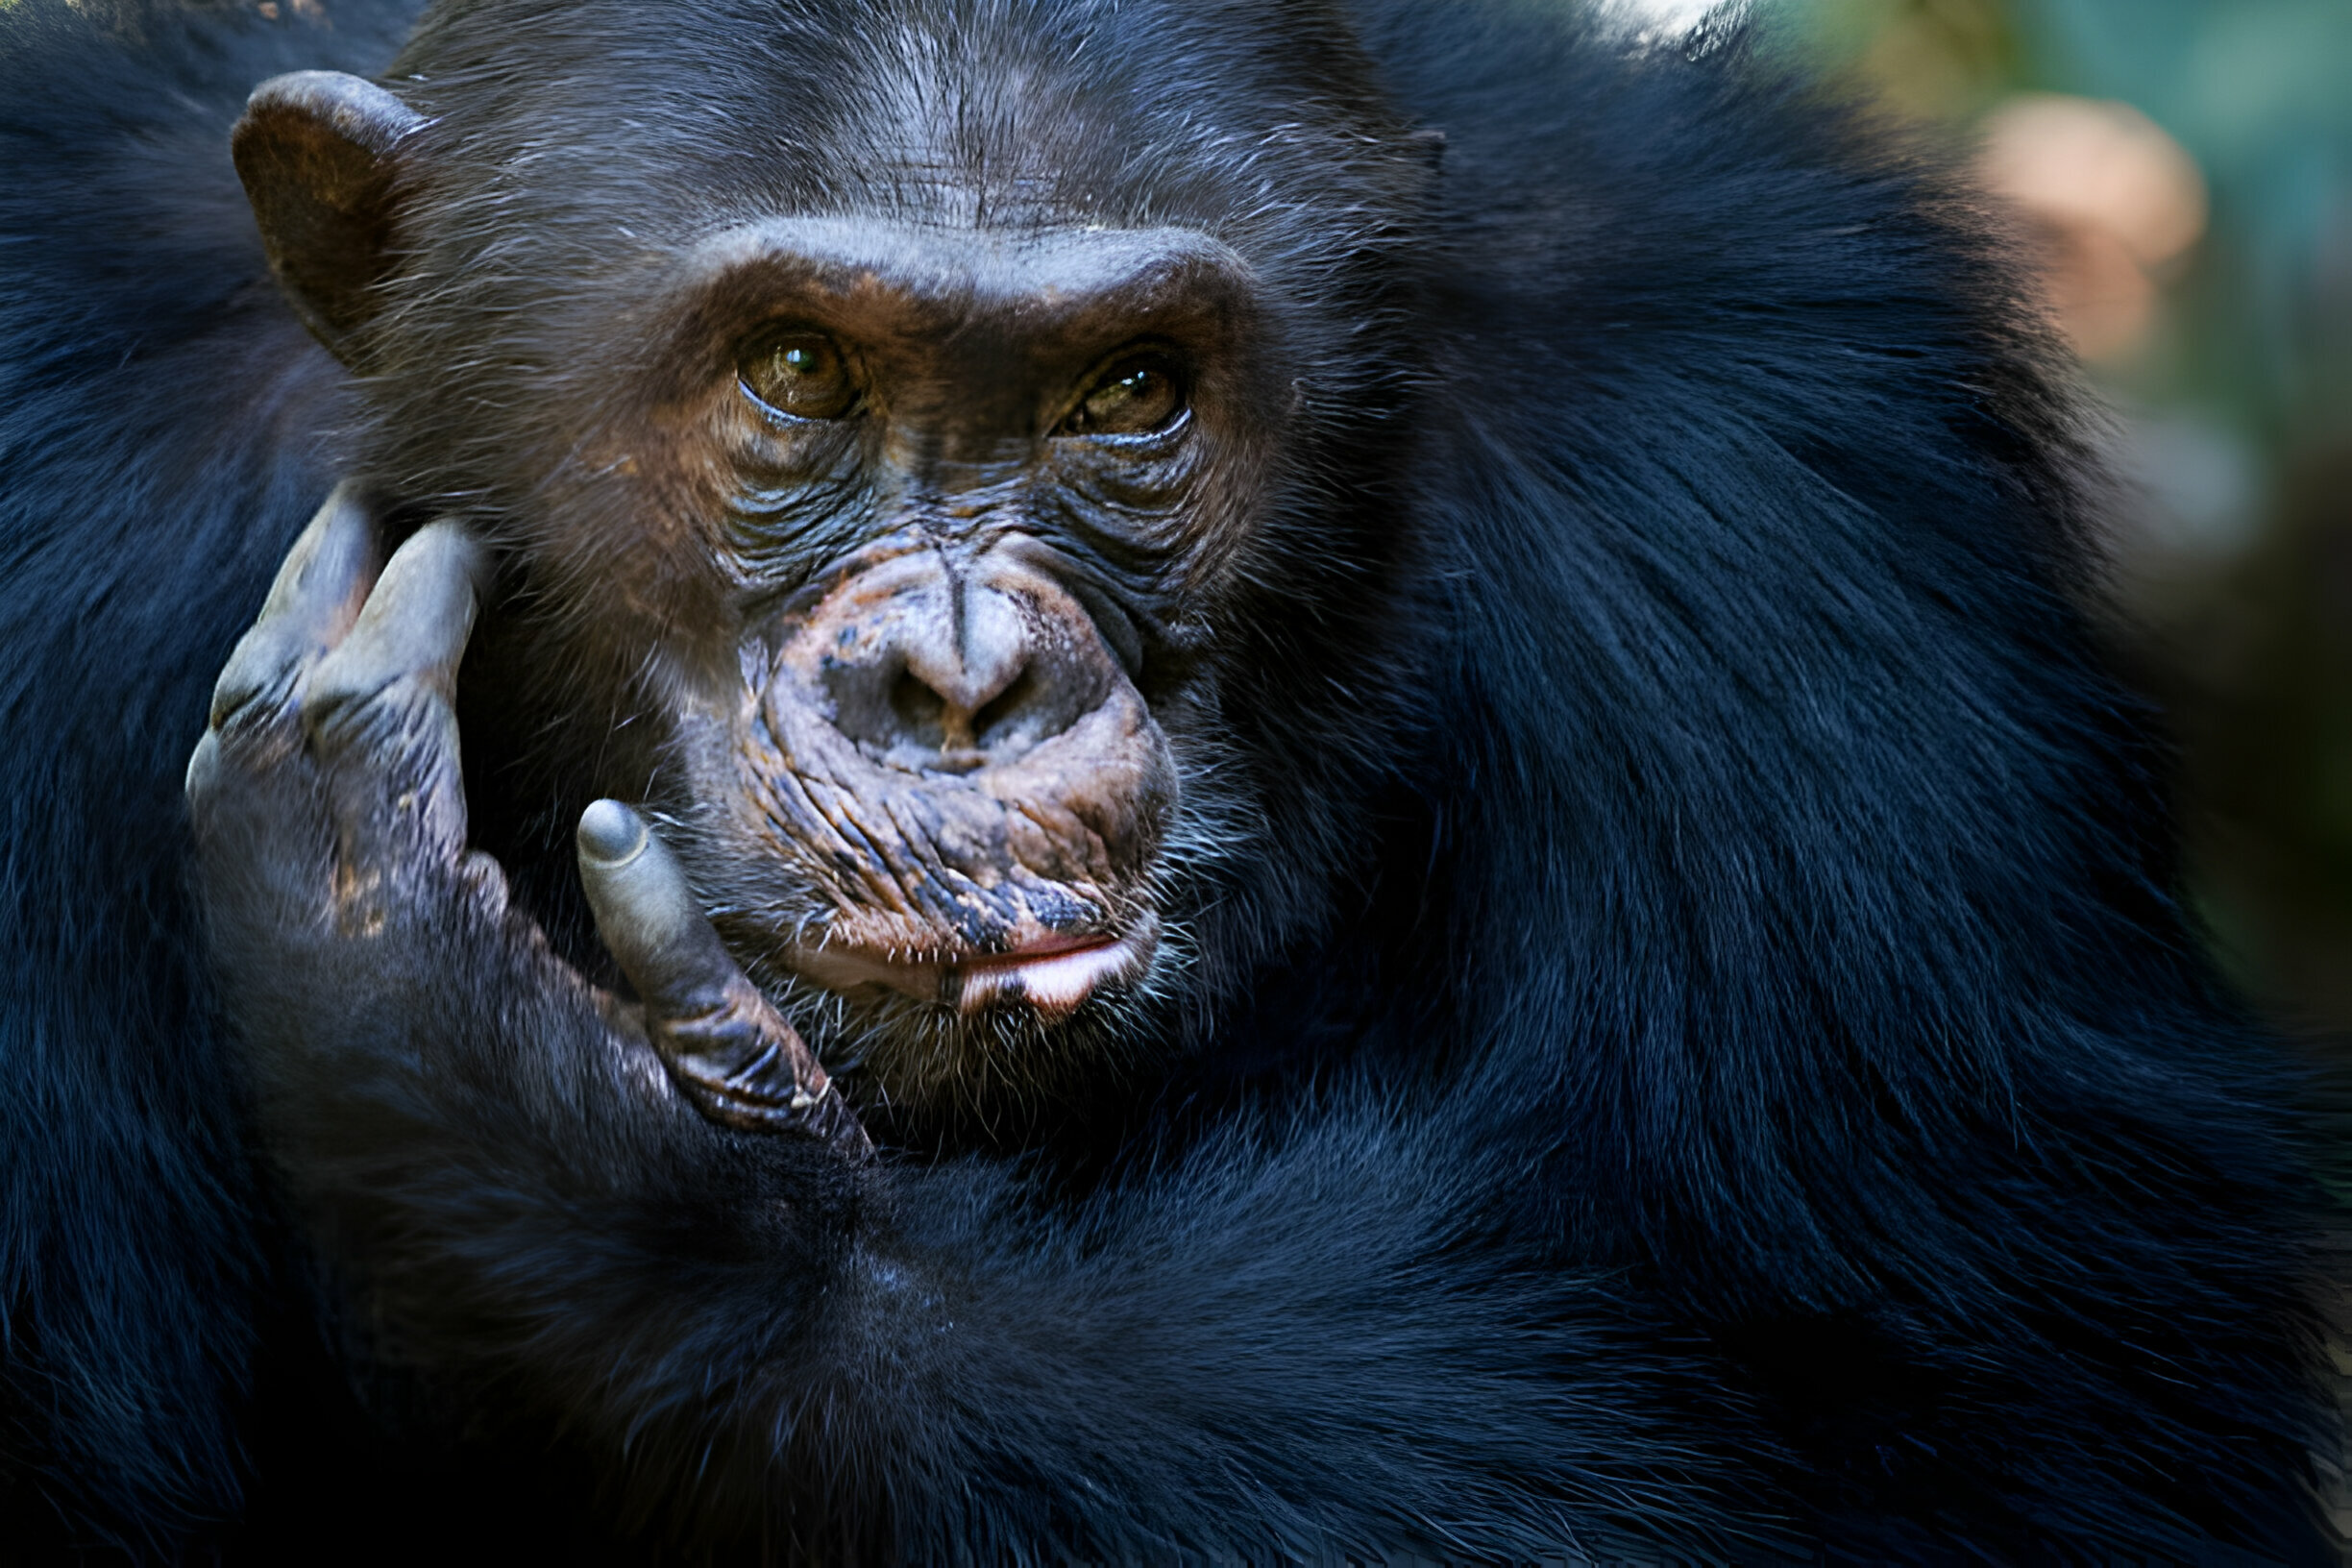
2185,170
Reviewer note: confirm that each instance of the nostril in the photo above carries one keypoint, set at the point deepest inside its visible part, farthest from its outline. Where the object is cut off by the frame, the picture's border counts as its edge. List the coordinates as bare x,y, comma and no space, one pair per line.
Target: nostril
998,718
922,712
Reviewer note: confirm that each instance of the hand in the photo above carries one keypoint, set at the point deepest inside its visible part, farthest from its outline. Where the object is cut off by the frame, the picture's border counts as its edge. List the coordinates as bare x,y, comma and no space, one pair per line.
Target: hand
330,823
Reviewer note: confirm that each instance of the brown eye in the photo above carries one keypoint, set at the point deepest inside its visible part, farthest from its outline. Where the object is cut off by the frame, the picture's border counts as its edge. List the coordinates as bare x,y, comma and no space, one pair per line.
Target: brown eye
801,374
1137,394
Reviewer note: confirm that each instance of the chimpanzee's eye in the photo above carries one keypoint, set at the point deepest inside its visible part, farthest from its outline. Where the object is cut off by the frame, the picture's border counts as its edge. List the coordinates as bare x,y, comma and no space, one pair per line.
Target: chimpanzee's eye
1139,393
801,373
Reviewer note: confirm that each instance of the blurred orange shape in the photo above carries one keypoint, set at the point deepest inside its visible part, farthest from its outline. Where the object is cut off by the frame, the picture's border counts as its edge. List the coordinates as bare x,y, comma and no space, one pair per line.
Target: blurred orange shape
2112,198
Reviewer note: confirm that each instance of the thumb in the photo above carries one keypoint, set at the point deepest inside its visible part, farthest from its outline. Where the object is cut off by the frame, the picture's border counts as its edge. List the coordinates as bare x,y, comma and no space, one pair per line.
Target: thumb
648,915
724,1045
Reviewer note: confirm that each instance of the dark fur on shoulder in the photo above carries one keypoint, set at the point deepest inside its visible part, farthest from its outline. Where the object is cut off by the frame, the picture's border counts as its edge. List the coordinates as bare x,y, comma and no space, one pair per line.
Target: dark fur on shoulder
161,425
1692,1044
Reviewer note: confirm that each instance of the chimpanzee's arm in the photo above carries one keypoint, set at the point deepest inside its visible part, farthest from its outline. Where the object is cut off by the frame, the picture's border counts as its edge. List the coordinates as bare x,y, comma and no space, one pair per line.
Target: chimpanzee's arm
656,1220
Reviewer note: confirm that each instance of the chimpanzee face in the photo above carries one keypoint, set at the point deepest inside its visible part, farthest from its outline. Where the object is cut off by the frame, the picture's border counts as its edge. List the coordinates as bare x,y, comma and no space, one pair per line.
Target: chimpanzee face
880,481
955,493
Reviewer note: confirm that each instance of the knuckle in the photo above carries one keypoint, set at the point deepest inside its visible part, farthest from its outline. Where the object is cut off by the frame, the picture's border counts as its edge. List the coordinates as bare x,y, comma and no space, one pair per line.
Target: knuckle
375,717
484,880
258,684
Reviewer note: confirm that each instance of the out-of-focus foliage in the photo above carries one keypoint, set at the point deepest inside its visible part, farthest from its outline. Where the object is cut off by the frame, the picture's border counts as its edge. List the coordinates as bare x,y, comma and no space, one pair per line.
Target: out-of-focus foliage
2229,362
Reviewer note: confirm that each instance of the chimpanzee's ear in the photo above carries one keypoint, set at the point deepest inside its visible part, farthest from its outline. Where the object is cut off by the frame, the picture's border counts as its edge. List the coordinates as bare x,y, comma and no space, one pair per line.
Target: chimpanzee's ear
317,153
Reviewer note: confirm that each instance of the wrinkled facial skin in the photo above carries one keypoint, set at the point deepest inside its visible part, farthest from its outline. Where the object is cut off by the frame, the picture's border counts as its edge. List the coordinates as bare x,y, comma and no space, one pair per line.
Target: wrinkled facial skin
910,621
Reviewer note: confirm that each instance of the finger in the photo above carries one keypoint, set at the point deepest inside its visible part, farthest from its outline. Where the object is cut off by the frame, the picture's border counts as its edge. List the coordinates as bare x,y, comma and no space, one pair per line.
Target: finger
415,625
203,775
648,915
377,713
312,605
721,1040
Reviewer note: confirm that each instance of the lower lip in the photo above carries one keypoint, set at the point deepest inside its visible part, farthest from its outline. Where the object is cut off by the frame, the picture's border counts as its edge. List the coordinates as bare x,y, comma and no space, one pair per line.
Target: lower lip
1054,981
1054,984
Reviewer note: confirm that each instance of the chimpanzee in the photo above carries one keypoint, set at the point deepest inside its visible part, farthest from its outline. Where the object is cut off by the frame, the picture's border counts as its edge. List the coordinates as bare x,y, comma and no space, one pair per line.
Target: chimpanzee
1242,780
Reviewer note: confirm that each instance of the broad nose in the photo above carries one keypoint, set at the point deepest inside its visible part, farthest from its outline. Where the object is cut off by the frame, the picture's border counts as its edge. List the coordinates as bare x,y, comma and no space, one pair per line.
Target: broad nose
935,670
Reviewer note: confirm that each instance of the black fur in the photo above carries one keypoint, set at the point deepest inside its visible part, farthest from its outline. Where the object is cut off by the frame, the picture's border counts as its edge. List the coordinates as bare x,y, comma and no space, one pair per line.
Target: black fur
1695,1044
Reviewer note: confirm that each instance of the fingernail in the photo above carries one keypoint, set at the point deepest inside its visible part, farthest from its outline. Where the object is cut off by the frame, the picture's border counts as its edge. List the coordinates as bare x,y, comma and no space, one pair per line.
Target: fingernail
610,834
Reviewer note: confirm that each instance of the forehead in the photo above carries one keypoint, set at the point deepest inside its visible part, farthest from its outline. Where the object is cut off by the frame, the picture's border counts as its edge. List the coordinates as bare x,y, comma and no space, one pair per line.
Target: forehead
953,113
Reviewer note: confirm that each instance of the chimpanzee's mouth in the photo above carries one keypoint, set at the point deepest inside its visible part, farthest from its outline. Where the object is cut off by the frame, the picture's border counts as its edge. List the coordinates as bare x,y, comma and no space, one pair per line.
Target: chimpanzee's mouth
1053,975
